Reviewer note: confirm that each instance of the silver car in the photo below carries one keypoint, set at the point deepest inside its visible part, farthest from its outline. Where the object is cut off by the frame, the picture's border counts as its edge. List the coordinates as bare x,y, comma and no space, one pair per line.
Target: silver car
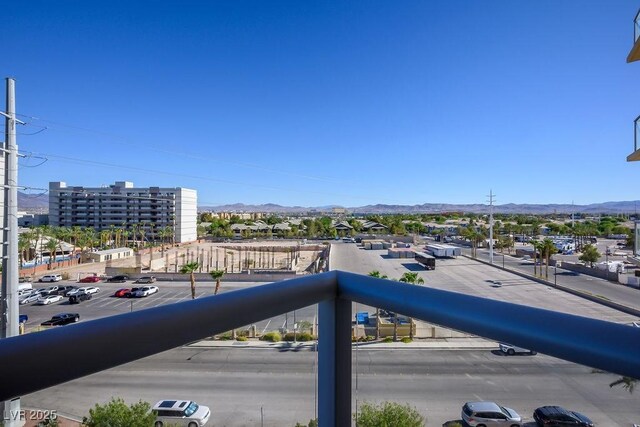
490,414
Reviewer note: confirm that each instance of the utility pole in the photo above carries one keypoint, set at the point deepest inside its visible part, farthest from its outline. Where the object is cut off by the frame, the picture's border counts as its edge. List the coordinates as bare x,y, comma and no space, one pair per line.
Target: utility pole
491,195
9,321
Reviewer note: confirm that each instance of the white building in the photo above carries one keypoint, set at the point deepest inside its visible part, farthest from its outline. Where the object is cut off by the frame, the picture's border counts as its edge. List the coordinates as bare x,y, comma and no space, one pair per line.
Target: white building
122,206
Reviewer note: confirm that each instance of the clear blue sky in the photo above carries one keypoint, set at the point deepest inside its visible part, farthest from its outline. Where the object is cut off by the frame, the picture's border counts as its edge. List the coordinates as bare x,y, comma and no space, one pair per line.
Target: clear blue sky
330,102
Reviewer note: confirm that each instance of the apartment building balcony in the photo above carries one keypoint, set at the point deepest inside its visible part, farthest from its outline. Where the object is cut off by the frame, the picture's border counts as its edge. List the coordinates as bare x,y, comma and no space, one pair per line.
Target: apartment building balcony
634,55
602,345
635,156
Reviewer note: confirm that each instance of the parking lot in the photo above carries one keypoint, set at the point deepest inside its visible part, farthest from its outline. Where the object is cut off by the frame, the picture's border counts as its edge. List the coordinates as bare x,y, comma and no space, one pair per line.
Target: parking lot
104,304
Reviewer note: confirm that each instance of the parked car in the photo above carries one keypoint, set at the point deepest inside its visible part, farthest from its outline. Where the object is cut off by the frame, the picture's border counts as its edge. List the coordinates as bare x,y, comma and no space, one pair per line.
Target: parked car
28,299
85,289
180,412
556,416
146,279
70,289
24,283
511,349
90,279
131,292
48,299
51,290
489,414
62,319
80,296
51,278
62,290
145,291
120,293
118,279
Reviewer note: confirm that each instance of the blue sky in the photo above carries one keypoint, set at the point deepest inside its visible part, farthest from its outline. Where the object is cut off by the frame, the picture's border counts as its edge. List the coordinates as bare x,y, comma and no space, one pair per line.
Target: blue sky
320,103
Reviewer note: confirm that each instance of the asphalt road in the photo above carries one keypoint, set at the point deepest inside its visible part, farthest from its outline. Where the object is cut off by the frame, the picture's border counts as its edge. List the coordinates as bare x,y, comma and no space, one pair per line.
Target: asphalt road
240,383
470,277
613,291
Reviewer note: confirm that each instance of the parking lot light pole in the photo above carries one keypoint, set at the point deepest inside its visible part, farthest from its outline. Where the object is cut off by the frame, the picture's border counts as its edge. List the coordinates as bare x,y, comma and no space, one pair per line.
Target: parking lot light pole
555,274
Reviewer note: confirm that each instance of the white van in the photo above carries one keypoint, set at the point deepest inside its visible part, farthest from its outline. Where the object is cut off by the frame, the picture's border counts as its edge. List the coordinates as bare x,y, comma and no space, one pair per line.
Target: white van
24,283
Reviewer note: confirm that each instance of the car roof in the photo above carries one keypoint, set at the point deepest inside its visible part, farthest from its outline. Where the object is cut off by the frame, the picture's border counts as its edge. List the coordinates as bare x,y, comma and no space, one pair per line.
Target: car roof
549,410
483,406
172,404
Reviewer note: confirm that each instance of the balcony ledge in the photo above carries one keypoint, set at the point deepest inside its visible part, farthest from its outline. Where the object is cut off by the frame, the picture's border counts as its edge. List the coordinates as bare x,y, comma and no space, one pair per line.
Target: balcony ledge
634,157
634,55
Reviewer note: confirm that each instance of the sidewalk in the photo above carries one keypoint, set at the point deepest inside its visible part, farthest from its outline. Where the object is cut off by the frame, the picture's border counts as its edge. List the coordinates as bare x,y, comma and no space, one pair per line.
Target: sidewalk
434,344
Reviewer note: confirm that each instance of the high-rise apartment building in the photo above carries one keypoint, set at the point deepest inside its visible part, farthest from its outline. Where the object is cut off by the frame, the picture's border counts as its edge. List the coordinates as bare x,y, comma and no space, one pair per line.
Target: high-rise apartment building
121,205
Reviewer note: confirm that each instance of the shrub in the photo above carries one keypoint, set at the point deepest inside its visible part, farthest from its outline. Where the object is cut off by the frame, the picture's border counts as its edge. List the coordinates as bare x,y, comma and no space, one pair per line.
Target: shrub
300,336
271,337
242,338
116,413
387,339
406,340
65,275
388,414
312,423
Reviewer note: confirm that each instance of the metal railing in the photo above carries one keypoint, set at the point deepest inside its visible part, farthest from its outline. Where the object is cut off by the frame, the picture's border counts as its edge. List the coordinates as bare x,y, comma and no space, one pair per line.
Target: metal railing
100,344
636,133
636,27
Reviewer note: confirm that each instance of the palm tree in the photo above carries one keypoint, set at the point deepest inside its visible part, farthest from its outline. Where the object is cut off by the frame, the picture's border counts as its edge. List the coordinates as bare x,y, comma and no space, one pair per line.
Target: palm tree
52,247
376,273
548,248
217,276
24,244
190,268
414,279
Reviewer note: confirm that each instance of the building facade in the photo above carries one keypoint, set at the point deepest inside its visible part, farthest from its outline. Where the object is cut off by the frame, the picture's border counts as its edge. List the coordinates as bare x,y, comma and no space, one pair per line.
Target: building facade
153,210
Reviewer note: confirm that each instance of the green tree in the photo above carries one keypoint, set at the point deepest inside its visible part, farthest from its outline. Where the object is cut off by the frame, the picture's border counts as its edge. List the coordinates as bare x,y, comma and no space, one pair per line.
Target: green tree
52,247
388,414
117,413
590,254
413,278
217,276
190,269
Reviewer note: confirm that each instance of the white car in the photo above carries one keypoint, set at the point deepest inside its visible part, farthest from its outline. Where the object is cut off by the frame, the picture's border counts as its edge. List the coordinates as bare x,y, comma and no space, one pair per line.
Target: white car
511,349
145,291
180,413
51,278
49,299
85,289
489,414
28,298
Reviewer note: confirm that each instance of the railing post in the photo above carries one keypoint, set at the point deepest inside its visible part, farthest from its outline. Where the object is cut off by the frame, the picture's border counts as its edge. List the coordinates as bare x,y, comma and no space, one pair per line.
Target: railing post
334,363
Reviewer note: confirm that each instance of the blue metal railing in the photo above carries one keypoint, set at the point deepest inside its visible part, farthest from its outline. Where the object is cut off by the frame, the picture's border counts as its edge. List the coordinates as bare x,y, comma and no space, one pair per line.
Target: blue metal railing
636,27
636,133
101,344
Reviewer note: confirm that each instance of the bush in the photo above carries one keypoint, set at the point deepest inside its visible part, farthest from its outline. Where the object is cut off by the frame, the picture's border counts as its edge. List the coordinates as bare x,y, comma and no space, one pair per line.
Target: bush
242,338
271,337
406,340
312,423
387,339
116,413
300,336
65,275
388,414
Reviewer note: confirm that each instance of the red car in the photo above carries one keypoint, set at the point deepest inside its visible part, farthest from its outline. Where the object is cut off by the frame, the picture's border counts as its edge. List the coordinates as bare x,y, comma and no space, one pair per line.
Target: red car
120,293
90,279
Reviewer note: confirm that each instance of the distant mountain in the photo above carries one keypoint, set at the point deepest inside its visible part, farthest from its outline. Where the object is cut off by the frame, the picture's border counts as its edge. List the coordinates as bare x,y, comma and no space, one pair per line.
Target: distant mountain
33,202
509,208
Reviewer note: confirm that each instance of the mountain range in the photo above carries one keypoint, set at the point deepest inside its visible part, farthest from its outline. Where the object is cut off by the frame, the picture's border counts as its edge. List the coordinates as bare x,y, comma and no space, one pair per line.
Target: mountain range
40,203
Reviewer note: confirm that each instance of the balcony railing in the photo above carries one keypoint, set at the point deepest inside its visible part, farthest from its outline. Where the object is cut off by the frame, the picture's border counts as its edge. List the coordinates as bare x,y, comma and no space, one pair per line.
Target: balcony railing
635,156
599,344
634,55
